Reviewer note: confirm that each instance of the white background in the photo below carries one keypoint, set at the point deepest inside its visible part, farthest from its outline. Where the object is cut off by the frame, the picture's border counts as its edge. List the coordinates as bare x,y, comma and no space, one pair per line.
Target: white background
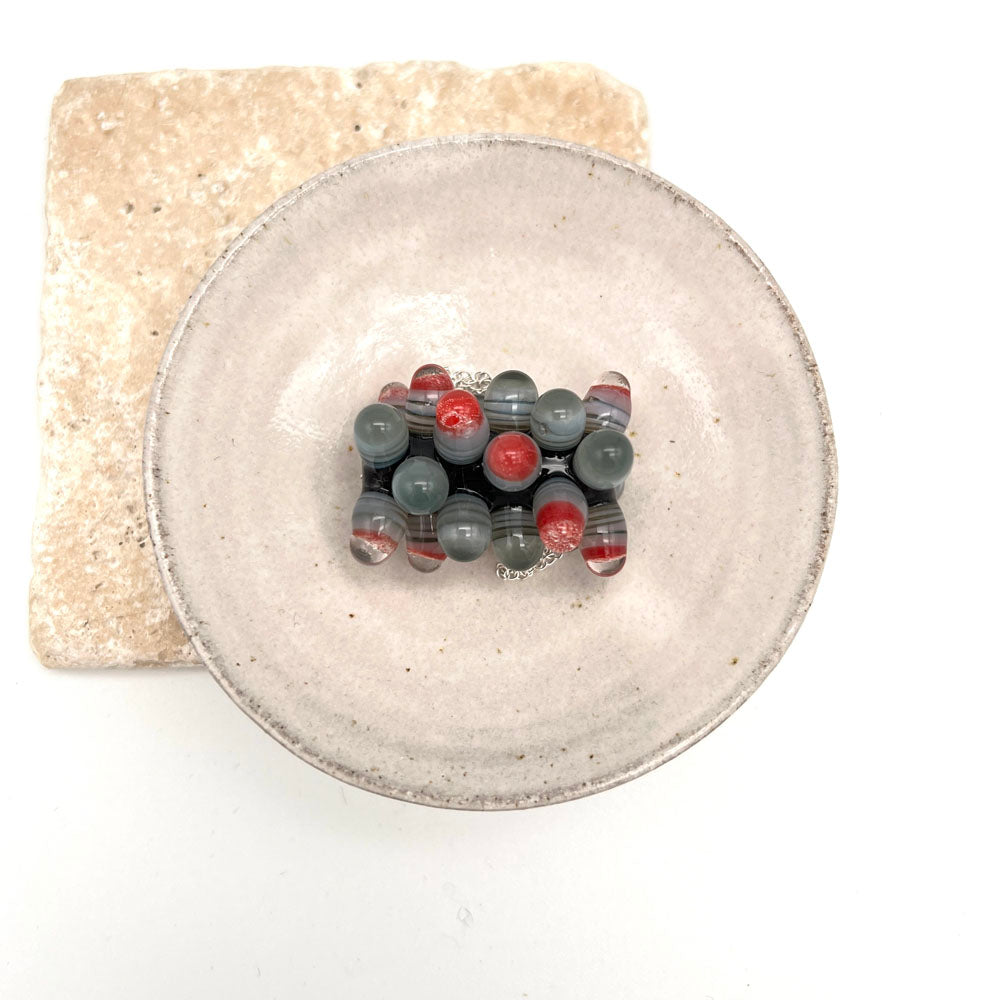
837,837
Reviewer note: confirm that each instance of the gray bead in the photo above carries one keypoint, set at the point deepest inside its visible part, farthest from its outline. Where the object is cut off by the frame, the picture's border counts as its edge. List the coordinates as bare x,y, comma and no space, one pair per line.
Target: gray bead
516,542
380,434
420,485
509,400
464,527
603,460
558,420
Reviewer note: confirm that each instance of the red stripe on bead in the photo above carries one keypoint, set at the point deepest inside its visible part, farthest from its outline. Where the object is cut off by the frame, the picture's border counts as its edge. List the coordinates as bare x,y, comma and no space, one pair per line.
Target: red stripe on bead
431,377
560,525
619,389
379,539
458,413
427,553
512,456
600,553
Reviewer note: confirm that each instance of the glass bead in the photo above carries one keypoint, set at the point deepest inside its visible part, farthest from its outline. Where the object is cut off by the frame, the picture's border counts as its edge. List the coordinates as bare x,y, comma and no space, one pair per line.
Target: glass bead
509,400
380,434
603,460
394,393
428,385
516,542
464,528
377,525
460,428
605,539
558,420
420,485
560,512
512,461
608,403
422,547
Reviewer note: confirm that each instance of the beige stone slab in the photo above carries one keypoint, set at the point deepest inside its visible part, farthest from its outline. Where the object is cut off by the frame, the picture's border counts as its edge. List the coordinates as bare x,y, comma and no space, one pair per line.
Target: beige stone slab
150,177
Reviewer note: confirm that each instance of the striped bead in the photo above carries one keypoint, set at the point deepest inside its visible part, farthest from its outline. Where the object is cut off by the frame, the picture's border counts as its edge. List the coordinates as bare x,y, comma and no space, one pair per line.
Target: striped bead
377,525
420,485
605,539
603,460
464,528
380,435
560,512
509,400
608,403
516,543
512,461
460,428
394,393
428,385
558,420
422,548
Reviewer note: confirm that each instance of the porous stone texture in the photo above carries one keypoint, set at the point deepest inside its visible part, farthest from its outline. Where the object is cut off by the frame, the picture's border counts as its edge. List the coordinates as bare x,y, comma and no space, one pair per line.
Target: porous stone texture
150,177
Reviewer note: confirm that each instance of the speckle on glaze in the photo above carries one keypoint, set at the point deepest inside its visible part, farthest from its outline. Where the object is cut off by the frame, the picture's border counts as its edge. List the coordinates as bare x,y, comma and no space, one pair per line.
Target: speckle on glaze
608,403
380,434
603,460
512,461
605,539
377,525
509,400
464,528
516,542
460,428
558,420
423,551
428,385
420,485
560,512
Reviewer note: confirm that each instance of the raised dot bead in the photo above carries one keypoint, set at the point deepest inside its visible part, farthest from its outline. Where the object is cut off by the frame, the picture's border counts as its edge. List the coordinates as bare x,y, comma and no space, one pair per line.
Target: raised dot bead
605,539
377,526
512,461
380,434
516,542
560,512
394,393
558,420
603,460
464,527
428,385
423,551
608,403
460,428
509,400
420,485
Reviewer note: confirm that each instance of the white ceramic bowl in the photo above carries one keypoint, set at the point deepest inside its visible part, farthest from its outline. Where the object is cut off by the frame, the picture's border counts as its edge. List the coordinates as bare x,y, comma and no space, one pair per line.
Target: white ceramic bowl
488,252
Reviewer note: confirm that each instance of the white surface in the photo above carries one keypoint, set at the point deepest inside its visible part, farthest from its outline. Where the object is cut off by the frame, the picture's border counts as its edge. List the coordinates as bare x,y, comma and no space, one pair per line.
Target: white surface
156,844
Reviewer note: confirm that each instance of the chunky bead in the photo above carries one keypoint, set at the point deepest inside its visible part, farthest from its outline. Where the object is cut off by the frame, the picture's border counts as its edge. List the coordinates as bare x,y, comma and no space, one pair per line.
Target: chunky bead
512,461
560,511
464,527
380,434
422,548
420,485
460,429
509,400
515,538
603,460
558,420
428,385
394,393
605,539
608,403
377,525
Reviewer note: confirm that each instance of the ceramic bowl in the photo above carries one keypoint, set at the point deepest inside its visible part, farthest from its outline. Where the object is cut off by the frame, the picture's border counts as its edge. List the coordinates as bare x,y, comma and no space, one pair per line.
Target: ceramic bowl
488,252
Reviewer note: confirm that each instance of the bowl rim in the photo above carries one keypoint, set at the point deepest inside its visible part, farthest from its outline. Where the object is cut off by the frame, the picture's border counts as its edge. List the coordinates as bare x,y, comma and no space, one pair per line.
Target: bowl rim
801,601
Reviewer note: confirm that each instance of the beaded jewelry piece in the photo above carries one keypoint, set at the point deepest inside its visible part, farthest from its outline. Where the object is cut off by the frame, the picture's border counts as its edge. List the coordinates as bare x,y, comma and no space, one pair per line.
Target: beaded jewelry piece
453,464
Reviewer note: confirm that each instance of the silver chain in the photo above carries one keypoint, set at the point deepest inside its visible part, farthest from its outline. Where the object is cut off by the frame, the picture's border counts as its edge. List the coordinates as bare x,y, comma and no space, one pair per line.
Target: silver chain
477,384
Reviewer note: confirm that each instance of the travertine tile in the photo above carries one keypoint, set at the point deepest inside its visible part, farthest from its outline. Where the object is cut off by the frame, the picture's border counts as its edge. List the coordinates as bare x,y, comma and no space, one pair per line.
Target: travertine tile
150,177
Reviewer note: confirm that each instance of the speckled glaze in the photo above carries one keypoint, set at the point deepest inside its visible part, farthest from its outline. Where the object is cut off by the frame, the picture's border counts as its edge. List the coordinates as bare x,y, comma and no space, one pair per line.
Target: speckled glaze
488,253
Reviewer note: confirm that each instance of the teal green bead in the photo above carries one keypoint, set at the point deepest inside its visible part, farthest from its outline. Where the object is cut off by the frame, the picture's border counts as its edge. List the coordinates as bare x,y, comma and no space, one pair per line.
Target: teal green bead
603,460
381,435
558,420
420,485
464,528
516,543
